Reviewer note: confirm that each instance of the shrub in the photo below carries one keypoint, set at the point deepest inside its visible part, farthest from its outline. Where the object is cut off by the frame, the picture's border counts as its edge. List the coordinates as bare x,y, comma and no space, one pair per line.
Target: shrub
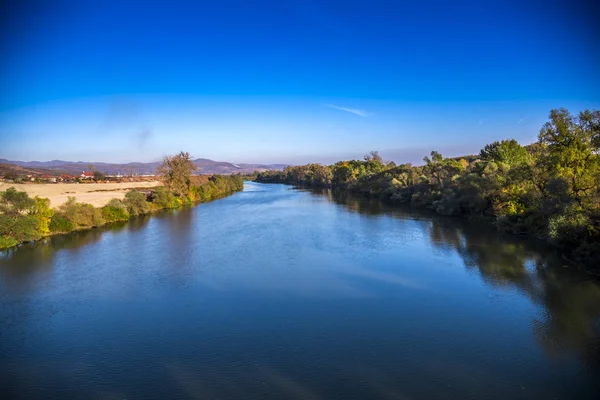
136,203
42,211
162,198
114,211
81,215
21,228
6,242
61,224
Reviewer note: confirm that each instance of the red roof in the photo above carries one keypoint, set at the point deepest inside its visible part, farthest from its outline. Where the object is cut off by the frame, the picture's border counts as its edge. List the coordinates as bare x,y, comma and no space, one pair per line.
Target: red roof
87,174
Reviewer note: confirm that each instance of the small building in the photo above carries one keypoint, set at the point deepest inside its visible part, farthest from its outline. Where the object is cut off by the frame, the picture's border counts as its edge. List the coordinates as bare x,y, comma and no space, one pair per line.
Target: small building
65,178
48,178
87,175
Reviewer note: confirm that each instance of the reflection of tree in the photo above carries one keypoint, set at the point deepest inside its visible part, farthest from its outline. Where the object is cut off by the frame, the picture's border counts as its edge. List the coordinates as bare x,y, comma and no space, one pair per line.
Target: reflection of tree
571,299
33,258
573,317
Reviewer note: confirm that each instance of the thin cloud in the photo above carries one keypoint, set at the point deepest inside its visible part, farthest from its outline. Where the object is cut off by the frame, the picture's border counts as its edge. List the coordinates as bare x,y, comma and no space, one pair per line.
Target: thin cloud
361,113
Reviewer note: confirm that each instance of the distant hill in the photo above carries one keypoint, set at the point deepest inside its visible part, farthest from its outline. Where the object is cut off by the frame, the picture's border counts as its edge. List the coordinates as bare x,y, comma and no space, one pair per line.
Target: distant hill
16,170
205,166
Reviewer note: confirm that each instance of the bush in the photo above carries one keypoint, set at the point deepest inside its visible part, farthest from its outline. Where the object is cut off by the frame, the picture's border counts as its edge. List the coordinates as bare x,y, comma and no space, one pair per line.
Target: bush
61,224
21,228
6,242
162,198
42,211
81,215
136,203
114,211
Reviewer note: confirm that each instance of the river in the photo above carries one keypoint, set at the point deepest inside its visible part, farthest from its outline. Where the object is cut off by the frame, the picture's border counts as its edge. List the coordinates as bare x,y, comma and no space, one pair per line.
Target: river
281,293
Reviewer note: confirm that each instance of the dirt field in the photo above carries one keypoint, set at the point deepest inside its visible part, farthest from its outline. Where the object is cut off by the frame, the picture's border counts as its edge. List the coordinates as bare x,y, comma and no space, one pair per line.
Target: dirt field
97,194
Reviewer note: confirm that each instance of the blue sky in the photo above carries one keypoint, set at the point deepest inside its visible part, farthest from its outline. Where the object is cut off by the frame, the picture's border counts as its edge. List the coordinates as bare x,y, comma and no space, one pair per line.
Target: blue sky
288,81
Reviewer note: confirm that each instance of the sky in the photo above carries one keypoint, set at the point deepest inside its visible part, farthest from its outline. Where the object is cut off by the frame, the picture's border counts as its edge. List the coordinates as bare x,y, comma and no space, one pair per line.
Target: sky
287,81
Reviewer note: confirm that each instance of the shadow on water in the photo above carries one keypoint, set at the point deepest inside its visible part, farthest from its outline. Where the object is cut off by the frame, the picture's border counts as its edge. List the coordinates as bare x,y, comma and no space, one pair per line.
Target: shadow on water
32,258
570,298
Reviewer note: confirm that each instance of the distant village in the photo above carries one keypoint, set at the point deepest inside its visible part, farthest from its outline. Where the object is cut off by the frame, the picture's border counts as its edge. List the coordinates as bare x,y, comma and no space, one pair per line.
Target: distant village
84,177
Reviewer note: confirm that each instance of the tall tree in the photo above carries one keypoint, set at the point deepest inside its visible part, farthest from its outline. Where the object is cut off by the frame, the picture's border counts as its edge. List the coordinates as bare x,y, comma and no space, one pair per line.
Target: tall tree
176,172
572,152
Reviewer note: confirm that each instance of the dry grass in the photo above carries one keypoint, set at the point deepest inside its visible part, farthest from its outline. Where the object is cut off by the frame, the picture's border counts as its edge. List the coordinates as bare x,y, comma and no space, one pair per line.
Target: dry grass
96,194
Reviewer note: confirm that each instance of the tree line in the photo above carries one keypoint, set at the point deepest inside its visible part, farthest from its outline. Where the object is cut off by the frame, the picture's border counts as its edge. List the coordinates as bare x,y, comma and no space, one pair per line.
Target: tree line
549,189
24,219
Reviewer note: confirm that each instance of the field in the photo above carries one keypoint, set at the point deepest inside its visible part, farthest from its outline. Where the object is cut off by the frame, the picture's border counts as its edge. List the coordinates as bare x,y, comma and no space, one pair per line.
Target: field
96,194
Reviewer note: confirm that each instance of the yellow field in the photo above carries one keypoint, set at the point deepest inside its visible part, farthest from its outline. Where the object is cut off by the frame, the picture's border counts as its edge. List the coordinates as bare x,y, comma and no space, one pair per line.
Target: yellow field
96,194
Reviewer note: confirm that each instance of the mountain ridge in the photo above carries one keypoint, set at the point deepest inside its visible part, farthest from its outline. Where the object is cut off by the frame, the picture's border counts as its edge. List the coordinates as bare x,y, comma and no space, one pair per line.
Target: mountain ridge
205,166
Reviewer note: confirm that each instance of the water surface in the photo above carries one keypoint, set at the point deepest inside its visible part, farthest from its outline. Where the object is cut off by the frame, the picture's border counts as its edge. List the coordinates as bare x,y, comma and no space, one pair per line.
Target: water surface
279,293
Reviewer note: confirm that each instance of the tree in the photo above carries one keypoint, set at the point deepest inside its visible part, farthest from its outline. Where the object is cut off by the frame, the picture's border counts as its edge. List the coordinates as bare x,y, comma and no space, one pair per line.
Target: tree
508,152
42,211
373,156
14,203
176,172
572,152
17,220
99,176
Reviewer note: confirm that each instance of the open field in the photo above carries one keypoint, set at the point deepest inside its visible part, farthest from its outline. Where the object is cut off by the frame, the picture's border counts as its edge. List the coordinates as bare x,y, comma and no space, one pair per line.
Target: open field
96,194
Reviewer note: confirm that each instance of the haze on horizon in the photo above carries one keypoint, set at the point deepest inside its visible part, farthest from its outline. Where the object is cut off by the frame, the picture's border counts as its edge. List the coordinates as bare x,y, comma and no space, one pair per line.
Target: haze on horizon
289,81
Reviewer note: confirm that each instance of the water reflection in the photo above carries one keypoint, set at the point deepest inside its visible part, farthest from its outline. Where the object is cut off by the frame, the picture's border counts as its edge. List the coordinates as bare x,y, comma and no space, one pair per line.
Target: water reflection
281,293
26,261
570,298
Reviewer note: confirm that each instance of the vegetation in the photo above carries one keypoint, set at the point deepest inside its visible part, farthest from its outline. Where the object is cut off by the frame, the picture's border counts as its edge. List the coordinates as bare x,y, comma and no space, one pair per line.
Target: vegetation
23,219
115,211
176,172
549,189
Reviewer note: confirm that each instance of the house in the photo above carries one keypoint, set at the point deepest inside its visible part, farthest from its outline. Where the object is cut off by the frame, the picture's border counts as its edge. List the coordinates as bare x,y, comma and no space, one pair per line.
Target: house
87,175
65,178
48,178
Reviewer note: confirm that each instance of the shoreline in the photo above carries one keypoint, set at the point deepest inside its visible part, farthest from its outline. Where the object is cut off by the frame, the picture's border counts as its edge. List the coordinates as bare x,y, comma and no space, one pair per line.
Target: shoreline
213,190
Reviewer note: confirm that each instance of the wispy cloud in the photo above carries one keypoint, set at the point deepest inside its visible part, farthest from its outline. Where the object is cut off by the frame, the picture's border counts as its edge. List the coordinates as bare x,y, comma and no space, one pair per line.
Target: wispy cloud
520,120
361,113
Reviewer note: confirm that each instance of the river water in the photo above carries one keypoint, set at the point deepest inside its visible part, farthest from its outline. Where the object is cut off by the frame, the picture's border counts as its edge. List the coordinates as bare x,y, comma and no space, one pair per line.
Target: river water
281,293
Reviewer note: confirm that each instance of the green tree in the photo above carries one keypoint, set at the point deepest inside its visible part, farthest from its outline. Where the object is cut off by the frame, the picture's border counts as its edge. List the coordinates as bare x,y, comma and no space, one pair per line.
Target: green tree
572,153
176,172
42,211
508,152
13,202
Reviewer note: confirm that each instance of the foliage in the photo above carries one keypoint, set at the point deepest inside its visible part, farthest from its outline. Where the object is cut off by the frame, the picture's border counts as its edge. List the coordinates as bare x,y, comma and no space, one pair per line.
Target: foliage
61,224
21,219
549,189
162,198
24,219
79,215
42,211
13,202
99,176
136,203
217,186
115,211
176,171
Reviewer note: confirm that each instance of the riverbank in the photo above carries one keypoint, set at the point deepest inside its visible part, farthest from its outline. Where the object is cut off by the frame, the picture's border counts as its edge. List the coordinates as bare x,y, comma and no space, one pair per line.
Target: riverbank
24,219
549,190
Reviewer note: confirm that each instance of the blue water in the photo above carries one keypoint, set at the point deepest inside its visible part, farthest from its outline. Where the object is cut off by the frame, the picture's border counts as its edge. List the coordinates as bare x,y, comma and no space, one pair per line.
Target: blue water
277,293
